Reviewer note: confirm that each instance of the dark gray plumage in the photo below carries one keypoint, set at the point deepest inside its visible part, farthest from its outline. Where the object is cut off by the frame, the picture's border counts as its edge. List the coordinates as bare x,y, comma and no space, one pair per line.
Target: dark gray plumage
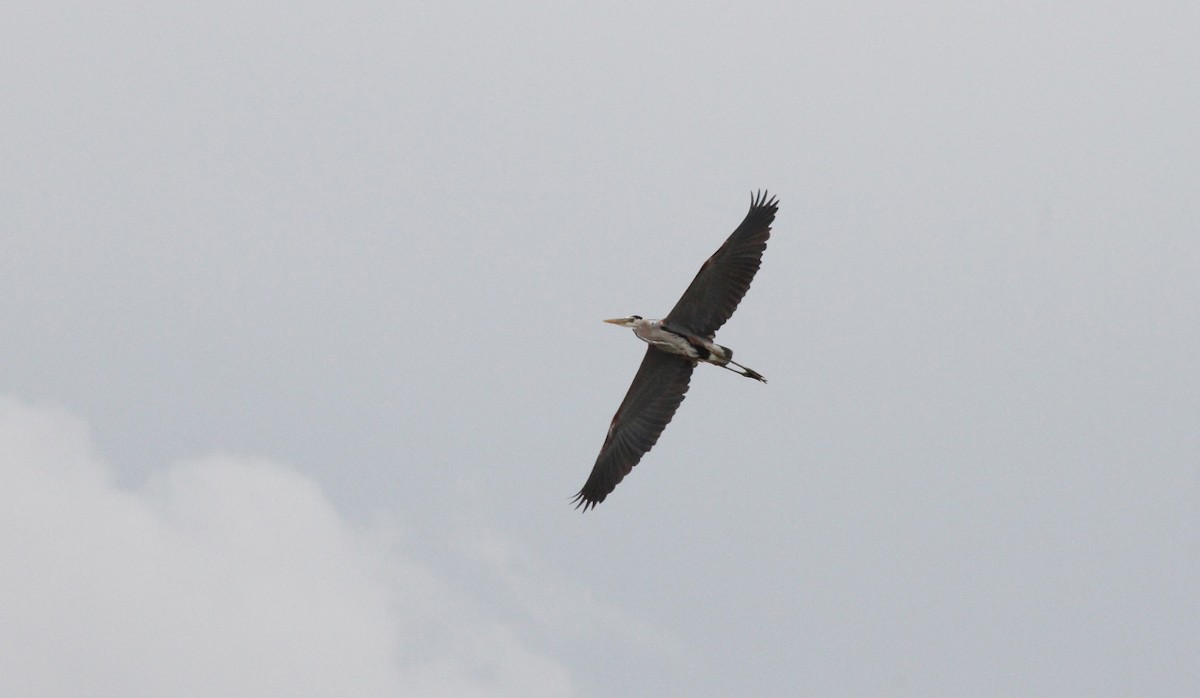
677,343
724,278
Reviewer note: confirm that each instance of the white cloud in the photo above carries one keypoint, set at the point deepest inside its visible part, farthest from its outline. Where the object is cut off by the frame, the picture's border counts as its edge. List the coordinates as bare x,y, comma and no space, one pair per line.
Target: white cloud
221,576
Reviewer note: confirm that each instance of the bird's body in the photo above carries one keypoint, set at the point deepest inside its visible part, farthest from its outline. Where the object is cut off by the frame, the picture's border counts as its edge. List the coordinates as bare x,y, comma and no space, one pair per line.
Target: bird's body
677,343
676,340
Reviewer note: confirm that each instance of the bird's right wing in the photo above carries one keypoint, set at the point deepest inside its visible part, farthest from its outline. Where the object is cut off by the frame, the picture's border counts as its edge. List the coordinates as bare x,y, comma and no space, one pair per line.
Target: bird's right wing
657,390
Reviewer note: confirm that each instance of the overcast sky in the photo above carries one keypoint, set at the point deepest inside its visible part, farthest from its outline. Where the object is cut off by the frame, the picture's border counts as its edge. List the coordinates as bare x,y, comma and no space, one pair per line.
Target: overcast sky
301,357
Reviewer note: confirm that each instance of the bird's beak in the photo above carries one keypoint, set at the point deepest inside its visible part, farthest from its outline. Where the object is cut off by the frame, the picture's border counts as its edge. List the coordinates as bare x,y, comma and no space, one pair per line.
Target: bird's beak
617,321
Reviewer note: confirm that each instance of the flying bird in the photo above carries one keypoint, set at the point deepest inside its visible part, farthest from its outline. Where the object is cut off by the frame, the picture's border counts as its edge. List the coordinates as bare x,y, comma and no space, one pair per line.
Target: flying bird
677,343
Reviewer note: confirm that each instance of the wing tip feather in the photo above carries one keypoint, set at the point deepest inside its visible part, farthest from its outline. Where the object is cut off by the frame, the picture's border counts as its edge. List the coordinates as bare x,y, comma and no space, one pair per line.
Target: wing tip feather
582,499
758,199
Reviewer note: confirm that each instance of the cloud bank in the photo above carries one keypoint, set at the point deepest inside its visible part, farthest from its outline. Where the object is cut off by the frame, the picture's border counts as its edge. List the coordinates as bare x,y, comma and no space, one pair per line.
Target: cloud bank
221,576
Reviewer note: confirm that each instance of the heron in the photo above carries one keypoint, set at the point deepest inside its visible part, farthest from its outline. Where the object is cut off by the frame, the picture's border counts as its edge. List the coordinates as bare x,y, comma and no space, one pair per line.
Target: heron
679,341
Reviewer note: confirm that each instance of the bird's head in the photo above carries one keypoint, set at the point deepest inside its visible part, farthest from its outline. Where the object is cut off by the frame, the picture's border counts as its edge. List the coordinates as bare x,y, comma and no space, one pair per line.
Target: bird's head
630,321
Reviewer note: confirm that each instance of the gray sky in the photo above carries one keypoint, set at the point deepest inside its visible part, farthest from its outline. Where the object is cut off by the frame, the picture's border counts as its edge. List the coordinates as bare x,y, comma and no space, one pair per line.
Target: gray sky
301,359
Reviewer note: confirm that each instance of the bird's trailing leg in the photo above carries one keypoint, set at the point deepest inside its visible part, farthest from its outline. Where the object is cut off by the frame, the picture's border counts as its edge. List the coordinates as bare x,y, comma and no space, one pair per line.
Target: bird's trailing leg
747,372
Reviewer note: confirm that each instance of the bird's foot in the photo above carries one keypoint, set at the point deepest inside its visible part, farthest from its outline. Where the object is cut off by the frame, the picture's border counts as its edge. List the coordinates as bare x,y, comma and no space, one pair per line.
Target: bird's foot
751,373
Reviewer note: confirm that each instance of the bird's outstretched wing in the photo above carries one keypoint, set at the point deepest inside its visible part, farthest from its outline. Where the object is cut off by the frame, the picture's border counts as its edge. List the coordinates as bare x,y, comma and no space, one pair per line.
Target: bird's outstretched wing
726,276
648,407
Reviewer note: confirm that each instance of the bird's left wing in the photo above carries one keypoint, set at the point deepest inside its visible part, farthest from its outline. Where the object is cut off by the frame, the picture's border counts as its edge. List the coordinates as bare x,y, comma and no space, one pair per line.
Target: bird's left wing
725,277
657,390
